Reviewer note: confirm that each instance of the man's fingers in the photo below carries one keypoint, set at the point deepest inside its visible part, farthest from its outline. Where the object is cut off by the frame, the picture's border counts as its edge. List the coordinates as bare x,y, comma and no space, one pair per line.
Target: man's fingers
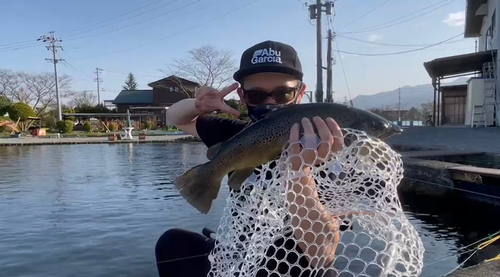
228,109
325,135
295,160
225,91
338,140
204,91
323,130
294,139
308,127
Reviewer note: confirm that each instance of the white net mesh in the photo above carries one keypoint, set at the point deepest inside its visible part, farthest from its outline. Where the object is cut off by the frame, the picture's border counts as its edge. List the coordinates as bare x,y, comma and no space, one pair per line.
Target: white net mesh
350,223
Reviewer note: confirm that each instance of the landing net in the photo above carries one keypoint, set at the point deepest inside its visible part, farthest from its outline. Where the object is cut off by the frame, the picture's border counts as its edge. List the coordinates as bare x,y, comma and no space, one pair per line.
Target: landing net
275,225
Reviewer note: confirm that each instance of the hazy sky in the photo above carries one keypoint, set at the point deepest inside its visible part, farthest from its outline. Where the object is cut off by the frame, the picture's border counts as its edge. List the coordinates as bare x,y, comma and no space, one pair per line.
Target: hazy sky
152,32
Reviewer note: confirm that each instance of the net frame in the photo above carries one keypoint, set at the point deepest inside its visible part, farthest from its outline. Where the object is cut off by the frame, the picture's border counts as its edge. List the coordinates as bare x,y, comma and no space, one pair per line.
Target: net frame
367,227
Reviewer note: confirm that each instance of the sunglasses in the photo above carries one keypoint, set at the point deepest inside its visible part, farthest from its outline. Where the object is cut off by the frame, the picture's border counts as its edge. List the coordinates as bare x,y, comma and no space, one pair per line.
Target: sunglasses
281,95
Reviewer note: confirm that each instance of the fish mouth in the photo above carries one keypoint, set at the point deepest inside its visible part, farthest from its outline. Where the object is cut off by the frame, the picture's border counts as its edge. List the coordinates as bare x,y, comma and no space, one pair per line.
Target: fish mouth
391,130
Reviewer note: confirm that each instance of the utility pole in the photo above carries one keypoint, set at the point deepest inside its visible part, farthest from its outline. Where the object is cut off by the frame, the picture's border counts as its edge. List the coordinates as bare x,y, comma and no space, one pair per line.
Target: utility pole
329,77
399,104
98,80
51,39
315,11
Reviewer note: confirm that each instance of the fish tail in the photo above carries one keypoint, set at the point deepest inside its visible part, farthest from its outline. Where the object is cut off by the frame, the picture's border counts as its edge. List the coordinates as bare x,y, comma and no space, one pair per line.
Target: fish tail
200,186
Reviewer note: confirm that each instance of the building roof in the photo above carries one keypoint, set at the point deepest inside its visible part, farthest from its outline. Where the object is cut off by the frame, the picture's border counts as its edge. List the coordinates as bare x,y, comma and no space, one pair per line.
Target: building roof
144,96
453,65
175,79
474,18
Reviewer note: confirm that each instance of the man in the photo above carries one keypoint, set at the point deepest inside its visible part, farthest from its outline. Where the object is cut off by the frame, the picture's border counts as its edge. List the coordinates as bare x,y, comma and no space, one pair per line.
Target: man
270,75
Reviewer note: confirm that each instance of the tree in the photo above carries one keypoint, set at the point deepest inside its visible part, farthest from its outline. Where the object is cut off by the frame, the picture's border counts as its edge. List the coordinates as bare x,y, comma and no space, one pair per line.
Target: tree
4,105
130,82
426,108
21,111
206,65
414,114
34,89
82,99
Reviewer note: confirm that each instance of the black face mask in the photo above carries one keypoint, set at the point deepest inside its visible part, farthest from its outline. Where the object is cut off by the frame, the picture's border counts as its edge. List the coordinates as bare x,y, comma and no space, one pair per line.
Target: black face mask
257,113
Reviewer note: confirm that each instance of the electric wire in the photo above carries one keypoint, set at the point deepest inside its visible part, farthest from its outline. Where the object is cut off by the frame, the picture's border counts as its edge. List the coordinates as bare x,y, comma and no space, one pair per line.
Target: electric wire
172,35
401,52
387,24
394,44
364,15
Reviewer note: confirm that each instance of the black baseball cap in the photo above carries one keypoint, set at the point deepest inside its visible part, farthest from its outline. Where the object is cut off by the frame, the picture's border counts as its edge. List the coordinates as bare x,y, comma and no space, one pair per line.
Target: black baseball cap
269,56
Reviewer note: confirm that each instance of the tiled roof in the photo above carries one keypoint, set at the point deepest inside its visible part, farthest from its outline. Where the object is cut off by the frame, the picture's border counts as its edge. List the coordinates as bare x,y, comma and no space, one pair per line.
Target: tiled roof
144,96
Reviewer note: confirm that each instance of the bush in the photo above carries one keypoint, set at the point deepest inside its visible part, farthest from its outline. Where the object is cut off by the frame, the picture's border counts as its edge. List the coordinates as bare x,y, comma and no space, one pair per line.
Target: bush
112,127
5,105
20,111
148,125
87,126
65,126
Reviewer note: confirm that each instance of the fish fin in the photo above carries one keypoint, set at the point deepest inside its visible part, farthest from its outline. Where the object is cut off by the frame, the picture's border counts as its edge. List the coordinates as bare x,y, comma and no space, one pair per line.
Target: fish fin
213,151
199,186
238,177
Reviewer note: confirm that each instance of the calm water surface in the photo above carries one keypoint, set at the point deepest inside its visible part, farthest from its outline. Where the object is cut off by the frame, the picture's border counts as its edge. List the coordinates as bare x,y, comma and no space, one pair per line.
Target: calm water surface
97,210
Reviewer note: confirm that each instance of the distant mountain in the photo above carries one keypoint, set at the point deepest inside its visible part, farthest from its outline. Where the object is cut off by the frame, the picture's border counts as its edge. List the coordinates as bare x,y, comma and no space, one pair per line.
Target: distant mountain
411,96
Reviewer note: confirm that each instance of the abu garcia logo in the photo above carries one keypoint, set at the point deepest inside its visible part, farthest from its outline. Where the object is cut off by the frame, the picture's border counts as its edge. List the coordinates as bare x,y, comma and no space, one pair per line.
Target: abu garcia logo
266,56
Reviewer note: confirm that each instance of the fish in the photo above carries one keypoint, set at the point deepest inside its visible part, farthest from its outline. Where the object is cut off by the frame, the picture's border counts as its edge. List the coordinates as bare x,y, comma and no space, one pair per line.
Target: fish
262,142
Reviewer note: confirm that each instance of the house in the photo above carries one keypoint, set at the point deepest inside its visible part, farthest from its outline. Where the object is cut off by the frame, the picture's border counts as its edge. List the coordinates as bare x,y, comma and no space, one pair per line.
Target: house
154,102
476,103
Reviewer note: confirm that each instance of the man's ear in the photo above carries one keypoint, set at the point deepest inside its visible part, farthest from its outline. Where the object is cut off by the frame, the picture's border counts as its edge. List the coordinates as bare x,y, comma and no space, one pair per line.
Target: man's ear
240,94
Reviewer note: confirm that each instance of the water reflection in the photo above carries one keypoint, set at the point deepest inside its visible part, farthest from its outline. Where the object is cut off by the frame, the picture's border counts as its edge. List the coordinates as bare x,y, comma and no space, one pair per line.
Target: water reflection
97,210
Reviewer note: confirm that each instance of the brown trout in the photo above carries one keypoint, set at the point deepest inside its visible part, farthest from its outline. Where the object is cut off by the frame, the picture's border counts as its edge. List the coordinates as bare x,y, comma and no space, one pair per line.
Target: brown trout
262,142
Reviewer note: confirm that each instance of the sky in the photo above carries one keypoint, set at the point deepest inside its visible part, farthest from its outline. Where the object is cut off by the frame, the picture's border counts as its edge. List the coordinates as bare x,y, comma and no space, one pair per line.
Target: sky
142,36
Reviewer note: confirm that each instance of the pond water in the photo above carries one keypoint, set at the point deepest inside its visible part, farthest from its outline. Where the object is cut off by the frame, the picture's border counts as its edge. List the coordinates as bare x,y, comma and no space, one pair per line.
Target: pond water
97,210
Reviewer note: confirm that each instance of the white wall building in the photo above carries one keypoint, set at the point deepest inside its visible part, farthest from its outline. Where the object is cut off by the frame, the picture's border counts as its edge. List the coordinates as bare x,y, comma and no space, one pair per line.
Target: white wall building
477,103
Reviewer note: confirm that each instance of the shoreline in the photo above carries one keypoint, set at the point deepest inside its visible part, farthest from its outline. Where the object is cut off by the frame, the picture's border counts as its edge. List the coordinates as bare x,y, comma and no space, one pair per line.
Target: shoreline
94,140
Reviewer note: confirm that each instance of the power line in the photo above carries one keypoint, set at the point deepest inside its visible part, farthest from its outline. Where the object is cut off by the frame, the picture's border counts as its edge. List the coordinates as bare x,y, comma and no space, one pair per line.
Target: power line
122,27
402,52
345,76
52,40
170,36
78,29
106,20
364,15
136,23
384,25
393,44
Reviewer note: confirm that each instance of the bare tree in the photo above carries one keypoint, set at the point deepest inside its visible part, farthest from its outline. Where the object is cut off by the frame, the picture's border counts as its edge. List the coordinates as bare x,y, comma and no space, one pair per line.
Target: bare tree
84,98
206,65
9,82
35,89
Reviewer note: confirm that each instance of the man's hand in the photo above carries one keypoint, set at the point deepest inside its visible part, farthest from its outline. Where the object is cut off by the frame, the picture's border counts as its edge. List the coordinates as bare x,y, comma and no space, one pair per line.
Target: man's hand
331,141
209,100
316,229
